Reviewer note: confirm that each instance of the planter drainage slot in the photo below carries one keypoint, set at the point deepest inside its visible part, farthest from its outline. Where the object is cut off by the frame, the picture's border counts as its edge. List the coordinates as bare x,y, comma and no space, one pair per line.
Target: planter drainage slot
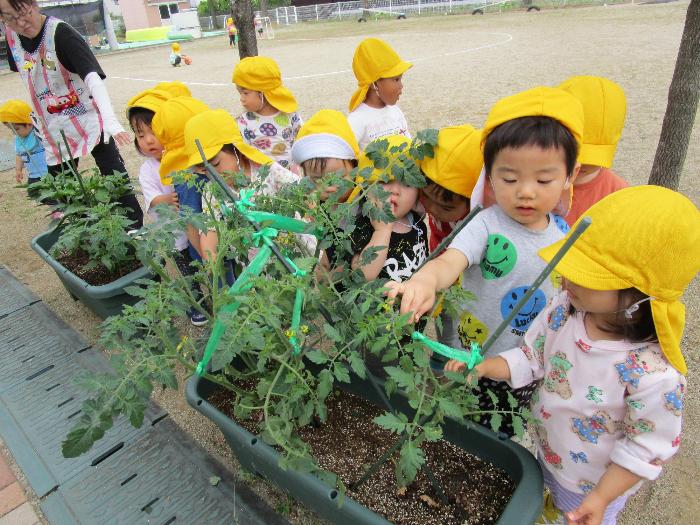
74,414
63,403
49,389
28,358
159,419
99,459
37,374
127,480
171,520
254,441
148,507
333,494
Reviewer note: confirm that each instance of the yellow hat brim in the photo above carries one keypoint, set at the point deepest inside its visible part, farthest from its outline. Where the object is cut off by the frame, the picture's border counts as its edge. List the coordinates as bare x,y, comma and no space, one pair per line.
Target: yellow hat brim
251,153
577,267
597,155
172,161
282,98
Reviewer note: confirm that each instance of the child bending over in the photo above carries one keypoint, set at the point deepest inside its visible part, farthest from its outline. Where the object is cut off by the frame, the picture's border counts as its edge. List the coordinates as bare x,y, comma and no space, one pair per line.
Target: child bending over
604,355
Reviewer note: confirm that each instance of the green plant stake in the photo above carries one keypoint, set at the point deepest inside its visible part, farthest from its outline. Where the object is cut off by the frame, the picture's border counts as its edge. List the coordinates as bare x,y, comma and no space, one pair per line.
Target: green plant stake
254,269
447,240
296,320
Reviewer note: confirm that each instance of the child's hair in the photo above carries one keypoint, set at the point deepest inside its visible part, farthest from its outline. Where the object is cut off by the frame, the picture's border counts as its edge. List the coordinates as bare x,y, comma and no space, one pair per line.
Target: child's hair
318,164
443,193
639,326
540,131
139,117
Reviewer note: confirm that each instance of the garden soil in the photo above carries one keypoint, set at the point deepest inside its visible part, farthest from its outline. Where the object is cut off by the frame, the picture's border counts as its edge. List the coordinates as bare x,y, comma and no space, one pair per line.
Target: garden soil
462,65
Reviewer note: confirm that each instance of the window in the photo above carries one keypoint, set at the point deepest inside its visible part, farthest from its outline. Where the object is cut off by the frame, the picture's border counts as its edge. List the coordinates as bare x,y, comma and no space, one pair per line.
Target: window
166,10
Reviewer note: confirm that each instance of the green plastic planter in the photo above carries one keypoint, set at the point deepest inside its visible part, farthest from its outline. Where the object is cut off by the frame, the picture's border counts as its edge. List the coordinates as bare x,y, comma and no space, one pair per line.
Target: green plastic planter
524,507
104,300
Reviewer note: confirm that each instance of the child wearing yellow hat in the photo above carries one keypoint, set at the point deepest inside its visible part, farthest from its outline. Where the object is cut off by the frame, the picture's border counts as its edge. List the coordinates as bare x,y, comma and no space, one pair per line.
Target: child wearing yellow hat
270,121
177,57
604,108
373,110
402,243
141,109
530,145
224,147
29,150
232,32
605,353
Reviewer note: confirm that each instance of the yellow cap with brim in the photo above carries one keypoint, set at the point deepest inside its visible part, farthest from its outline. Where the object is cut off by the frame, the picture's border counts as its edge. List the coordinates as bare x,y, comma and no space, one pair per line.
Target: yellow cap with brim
175,88
457,160
16,112
214,129
643,237
604,108
374,59
150,99
538,102
169,128
397,152
263,74
327,134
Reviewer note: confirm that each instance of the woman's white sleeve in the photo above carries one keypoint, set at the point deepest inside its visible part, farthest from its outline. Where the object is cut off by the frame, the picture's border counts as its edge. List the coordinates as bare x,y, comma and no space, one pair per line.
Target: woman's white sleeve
98,90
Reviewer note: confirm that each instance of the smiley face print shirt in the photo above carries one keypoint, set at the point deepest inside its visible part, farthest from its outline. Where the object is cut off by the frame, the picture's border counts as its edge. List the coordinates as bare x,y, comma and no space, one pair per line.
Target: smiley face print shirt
503,263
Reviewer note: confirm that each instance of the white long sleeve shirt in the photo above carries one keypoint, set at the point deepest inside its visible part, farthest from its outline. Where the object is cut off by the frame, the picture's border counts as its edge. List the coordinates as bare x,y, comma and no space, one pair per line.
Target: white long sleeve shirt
598,401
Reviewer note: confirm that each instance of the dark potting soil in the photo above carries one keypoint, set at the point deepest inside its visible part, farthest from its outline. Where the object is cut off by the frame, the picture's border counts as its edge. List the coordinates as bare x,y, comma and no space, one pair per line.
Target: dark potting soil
476,491
98,275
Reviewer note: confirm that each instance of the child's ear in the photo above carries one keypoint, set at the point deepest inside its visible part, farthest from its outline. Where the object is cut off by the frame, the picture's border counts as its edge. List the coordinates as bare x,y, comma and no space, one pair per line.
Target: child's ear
572,178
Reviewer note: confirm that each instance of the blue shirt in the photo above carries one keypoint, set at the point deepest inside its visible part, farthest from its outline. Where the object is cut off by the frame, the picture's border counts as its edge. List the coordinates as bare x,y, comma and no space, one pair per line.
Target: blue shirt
31,151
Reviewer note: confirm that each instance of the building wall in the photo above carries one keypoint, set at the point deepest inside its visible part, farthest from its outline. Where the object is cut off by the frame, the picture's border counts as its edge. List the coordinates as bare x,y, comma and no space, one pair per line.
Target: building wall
140,14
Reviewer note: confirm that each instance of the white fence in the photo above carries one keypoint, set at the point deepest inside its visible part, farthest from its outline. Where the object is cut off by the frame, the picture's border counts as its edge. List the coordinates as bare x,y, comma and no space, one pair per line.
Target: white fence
344,10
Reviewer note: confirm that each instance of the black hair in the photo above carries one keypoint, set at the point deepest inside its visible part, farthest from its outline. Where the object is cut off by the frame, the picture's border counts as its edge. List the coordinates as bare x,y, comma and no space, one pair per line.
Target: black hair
19,5
443,193
318,164
640,326
545,132
139,117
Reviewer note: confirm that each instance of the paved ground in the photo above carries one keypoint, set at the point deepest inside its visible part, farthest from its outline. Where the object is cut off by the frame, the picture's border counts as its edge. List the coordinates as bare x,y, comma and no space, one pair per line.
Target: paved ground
462,65
15,508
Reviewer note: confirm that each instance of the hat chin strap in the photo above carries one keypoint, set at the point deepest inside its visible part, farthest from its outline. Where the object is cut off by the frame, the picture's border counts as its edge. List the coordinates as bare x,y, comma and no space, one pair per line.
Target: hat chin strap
634,307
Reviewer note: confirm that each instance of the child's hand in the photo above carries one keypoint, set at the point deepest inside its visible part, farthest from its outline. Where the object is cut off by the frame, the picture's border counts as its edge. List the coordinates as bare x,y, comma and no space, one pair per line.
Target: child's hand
590,512
19,175
171,200
384,227
455,366
418,296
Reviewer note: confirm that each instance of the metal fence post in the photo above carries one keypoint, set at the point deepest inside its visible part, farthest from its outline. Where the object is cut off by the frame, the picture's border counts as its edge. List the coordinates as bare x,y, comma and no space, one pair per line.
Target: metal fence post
418,6
296,19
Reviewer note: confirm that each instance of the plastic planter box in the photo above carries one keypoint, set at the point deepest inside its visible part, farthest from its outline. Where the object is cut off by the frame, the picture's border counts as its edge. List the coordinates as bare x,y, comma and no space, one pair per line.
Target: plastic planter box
104,300
524,507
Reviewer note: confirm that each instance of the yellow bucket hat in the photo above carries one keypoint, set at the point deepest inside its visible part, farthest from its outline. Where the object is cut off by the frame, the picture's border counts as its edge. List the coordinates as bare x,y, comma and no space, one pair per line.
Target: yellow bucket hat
644,237
374,59
151,99
16,112
457,160
175,47
397,153
214,128
169,128
263,74
175,88
538,102
604,108
327,134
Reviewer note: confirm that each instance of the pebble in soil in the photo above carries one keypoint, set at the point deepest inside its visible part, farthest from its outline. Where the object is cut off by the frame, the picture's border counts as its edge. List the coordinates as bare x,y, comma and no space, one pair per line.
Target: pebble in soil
477,492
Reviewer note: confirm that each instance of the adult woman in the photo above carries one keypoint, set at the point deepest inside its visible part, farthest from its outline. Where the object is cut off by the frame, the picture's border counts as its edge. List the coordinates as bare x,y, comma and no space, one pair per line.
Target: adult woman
67,92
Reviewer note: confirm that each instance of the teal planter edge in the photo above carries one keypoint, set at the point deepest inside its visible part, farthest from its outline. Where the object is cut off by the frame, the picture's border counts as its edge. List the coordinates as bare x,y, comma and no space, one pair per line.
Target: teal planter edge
524,507
105,300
